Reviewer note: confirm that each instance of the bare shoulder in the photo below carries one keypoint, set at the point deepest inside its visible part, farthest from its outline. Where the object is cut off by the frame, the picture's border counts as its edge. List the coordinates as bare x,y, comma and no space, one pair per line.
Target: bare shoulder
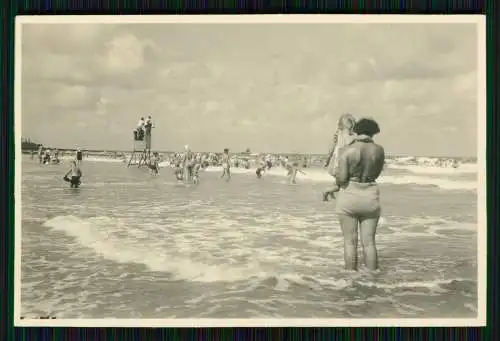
347,150
379,149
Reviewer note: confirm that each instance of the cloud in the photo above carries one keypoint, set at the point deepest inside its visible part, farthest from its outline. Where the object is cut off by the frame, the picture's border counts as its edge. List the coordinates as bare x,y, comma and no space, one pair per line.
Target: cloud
73,96
72,39
56,97
124,54
264,87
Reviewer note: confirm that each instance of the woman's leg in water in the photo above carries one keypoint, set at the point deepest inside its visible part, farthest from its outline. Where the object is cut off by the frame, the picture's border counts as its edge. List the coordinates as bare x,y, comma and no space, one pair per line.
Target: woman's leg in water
349,227
368,229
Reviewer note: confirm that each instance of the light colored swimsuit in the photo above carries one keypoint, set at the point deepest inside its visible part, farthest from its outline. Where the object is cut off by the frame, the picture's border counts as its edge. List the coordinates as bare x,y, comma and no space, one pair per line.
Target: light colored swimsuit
360,196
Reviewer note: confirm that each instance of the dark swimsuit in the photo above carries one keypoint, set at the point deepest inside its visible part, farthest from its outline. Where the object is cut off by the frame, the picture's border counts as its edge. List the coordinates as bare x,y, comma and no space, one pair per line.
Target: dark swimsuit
74,181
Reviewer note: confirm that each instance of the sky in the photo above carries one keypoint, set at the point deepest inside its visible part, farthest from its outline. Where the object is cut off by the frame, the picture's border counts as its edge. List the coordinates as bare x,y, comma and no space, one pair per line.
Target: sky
267,87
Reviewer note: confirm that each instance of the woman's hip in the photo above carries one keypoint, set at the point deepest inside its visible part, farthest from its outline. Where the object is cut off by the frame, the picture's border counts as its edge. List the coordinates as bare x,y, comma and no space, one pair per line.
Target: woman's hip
359,200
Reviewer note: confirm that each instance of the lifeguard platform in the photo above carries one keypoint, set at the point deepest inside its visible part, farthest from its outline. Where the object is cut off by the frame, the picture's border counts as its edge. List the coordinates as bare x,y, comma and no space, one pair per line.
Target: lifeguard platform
141,155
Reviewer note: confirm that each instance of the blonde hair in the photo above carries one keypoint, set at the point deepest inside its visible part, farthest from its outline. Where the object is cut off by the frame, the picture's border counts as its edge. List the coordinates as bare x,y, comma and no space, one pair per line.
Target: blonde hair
346,122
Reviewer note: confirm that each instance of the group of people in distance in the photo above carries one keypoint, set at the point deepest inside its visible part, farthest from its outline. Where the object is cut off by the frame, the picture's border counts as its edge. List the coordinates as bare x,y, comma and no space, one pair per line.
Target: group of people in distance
46,156
188,165
292,168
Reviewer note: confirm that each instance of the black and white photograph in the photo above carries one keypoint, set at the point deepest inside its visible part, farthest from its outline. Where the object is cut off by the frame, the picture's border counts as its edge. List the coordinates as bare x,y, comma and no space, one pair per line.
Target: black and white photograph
264,170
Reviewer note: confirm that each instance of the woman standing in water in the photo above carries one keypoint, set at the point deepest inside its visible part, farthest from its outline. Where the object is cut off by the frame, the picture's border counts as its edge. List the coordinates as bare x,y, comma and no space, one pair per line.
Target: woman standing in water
226,165
187,163
358,202
343,136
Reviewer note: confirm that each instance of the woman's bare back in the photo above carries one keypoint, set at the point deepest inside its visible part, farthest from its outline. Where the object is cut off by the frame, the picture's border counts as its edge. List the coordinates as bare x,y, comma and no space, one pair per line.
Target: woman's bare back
361,161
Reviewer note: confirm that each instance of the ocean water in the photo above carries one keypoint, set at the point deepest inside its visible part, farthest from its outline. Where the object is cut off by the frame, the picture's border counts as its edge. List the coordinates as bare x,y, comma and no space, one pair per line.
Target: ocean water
129,245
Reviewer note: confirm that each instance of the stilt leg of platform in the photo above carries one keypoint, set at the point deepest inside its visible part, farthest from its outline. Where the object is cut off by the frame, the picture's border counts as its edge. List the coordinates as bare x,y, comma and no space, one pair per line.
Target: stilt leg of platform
132,157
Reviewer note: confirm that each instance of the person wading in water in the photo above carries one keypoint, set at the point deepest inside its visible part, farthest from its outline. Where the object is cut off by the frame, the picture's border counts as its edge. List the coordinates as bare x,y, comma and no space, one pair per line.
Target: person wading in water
76,175
358,201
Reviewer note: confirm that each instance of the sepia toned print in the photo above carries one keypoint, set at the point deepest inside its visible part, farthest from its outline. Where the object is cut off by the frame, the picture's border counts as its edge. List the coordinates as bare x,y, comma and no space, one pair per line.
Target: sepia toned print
174,173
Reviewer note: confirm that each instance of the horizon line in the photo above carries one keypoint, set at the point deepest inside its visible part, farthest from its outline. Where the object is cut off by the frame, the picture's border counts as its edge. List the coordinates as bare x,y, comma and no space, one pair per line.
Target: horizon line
252,152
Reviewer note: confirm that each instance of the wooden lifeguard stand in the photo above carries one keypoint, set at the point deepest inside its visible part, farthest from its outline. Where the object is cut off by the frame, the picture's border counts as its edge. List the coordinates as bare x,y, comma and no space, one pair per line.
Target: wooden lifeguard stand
142,151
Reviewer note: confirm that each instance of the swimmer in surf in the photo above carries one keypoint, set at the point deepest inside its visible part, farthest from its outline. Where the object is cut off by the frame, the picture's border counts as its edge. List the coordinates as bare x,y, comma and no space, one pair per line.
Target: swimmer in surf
196,170
154,165
178,172
56,156
204,161
343,136
76,175
40,154
187,163
226,166
293,169
269,164
191,162
46,158
260,169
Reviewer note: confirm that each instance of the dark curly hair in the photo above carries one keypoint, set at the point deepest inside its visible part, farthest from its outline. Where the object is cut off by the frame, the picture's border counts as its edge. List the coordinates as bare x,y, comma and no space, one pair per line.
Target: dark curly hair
366,126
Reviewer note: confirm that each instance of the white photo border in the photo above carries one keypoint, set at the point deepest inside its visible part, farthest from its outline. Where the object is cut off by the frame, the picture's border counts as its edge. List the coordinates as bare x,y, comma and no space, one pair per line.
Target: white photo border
479,20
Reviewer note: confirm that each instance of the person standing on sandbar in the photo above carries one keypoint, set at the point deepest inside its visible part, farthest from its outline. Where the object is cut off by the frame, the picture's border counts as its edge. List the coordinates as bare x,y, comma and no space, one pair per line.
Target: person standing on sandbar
226,165
78,156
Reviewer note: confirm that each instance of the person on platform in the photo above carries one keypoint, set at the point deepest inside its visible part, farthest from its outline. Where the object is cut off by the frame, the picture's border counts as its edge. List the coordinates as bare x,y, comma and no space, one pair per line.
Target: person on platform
139,130
148,125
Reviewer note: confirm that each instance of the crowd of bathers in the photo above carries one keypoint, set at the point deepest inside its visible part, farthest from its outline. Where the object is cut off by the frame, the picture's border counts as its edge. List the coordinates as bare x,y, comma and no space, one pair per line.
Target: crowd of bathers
46,156
187,165
51,156
441,162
